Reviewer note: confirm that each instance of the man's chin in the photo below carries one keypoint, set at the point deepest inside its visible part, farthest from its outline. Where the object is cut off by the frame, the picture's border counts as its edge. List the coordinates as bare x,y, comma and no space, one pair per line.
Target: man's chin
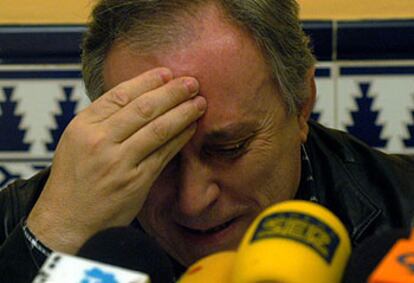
200,245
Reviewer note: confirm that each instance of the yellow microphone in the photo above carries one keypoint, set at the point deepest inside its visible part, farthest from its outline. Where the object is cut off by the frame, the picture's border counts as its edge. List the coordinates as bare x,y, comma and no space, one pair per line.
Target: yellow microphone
216,268
293,242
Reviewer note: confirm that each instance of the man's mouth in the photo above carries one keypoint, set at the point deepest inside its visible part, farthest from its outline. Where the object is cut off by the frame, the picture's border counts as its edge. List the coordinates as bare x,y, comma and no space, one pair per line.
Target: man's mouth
209,231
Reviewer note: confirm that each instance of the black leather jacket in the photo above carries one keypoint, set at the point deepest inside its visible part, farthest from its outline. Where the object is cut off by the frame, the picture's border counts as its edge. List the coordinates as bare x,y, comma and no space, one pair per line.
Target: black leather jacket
368,190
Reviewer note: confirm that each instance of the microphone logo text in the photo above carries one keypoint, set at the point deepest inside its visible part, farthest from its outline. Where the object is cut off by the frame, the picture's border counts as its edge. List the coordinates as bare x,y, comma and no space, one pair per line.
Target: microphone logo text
302,228
407,260
96,275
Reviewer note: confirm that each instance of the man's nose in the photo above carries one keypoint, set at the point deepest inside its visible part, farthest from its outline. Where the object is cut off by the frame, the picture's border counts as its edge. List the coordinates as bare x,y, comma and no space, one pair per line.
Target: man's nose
197,188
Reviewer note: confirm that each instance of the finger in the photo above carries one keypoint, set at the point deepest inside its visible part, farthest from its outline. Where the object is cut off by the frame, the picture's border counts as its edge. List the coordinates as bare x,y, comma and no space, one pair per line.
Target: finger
148,106
118,97
159,159
164,128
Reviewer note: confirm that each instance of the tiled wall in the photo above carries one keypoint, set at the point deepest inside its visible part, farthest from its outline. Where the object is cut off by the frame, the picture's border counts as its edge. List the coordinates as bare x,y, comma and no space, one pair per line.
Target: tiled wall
374,102
365,80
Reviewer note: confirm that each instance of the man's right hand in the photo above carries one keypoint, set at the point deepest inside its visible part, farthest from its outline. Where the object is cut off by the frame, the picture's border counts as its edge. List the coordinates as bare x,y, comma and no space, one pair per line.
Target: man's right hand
111,153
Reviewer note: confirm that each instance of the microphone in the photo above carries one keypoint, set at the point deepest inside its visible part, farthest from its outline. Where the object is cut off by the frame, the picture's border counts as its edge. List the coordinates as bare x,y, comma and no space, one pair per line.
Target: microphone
293,242
368,255
63,268
215,268
117,255
398,265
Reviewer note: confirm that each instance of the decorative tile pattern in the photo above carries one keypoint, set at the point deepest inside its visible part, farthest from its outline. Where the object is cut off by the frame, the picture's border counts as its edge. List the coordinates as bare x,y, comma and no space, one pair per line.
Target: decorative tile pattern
365,82
34,111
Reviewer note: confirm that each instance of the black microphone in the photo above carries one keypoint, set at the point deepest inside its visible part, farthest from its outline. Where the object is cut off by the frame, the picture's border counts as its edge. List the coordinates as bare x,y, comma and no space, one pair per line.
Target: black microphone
129,248
367,255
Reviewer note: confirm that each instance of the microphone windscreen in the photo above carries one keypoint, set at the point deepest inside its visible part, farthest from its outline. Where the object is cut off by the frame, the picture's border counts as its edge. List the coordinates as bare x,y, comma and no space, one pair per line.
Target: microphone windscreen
295,242
129,248
216,268
368,254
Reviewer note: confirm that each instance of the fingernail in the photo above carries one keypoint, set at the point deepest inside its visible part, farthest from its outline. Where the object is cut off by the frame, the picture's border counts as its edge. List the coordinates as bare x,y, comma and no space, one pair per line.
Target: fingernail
201,103
191,84
166,75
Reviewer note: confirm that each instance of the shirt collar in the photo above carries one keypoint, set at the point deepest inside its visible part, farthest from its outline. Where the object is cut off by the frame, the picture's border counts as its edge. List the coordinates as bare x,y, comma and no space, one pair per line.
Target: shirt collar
307,189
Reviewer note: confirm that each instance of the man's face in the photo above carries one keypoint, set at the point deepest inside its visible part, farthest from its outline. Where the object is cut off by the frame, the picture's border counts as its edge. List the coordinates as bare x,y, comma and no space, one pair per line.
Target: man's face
245,154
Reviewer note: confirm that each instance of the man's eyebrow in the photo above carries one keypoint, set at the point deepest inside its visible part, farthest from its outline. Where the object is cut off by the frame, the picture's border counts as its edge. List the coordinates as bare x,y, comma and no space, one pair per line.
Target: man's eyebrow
231,132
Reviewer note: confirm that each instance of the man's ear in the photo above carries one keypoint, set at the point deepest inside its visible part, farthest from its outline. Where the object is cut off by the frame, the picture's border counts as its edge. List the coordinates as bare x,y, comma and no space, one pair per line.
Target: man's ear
306,108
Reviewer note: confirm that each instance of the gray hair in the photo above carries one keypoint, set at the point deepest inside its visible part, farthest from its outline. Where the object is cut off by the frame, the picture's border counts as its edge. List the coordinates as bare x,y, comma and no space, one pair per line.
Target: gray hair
274,25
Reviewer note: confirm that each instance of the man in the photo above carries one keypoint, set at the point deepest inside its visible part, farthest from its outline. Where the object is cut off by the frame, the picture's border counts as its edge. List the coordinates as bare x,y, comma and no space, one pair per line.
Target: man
199,121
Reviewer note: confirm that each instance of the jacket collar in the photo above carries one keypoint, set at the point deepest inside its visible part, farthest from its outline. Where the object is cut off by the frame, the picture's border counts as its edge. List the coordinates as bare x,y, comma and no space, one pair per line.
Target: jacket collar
334,184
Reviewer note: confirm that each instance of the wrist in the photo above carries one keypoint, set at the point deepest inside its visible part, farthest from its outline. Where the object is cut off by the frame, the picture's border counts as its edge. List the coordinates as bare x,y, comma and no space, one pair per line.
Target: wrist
52,234
34,242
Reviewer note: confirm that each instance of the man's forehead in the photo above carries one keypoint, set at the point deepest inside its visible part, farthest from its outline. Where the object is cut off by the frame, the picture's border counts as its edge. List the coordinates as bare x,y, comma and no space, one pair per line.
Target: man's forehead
214,46
230,80
229,131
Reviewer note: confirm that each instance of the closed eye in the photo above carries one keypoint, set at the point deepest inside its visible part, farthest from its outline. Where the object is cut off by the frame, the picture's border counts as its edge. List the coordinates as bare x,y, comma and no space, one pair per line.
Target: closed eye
230,151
